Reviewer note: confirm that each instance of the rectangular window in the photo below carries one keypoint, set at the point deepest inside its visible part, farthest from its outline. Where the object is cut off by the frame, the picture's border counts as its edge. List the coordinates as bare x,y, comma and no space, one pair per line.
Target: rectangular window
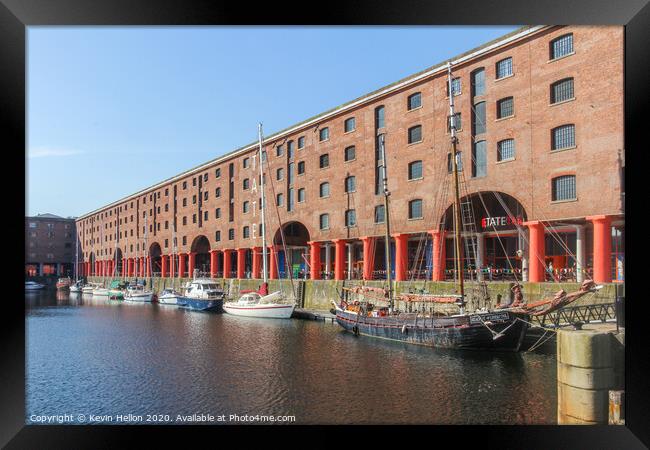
301,195
324,161
290,149
246,232
380,214
504,68
563,137
505,107
479,159
217,173
457,122
231,234
478,82
246,162
459,162
506,150
415,209
415,170
217,193
205,216
350,218
455,86
325,190
562,90
290,200
301,167
350,184
217,236
415,134
279,200
564,188
279,174
350,153
350,125
414,101
217,213
301,142
324,221
562,46
379,117
478,118
279,151
324,134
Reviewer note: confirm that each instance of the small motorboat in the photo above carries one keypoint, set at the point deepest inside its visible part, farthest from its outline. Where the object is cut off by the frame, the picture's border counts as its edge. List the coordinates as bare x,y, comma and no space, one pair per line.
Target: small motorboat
137,293
255,304
89,288
116,290
76,287
63,284
100,291
169,297
202,294
33,286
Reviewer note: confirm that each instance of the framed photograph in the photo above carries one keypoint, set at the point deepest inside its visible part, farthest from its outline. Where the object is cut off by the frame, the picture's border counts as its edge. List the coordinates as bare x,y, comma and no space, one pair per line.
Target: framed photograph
401,217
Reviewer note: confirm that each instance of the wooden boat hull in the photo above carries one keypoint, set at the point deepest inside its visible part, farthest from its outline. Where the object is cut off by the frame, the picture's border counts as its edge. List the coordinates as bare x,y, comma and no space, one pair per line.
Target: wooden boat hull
461,332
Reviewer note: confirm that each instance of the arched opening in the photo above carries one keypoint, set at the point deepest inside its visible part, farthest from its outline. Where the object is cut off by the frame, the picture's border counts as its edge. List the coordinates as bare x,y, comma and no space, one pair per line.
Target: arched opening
118,262
296,237
155,254
493,236
201,246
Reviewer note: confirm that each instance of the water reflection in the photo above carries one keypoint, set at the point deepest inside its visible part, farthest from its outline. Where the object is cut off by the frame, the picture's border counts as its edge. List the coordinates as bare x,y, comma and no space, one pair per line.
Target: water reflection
104,356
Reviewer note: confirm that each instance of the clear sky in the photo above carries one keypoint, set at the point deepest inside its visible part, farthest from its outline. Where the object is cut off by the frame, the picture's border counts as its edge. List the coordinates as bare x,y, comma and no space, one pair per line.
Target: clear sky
113,110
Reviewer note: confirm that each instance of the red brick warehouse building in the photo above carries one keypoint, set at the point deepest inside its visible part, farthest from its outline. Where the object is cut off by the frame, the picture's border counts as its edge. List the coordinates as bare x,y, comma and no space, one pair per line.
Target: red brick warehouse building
540,119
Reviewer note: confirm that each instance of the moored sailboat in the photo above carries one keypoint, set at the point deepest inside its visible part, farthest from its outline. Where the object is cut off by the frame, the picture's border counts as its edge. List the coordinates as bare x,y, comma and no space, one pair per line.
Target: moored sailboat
260,303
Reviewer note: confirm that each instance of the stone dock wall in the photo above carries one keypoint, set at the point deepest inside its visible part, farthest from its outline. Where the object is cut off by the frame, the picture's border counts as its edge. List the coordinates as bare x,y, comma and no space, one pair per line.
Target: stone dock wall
317,294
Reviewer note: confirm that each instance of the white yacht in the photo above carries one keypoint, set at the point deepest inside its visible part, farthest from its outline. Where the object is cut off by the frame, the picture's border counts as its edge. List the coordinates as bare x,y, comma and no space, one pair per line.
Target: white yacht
137,293
253,304
168,297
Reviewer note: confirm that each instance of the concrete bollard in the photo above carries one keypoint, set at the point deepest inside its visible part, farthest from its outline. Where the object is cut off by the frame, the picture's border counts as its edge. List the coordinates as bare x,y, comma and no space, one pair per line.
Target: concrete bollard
586,371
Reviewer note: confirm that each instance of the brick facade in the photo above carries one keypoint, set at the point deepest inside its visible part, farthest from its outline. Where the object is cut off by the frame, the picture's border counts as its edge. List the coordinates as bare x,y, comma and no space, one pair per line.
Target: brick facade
596,160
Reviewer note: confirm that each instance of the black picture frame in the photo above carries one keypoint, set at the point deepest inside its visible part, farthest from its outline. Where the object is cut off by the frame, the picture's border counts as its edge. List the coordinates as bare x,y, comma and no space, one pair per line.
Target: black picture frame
16,15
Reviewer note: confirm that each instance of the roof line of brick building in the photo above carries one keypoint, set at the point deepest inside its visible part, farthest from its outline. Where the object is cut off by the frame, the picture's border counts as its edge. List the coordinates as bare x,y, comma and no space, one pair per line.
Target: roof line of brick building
519,33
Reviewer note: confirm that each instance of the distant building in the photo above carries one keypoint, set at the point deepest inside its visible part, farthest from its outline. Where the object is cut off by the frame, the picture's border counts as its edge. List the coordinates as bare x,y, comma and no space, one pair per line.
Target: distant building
49,245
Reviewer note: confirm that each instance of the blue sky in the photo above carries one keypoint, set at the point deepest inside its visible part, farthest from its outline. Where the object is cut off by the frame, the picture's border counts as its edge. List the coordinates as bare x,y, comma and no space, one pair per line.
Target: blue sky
112,110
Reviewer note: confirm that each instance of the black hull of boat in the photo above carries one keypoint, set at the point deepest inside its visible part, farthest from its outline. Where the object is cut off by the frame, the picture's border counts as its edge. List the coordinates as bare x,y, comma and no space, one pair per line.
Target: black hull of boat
476,331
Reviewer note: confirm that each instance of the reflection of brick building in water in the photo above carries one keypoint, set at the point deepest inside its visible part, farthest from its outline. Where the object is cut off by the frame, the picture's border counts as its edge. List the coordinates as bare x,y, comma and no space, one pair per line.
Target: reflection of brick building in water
49,245
540,119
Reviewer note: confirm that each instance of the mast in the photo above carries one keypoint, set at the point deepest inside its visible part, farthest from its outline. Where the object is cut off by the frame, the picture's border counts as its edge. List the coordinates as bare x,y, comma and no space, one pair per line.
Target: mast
263,205
76,255
384,176
454,140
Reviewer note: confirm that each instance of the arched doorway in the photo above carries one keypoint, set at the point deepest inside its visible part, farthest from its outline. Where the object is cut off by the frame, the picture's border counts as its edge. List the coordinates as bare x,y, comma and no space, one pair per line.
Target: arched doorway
155,253
492,234
296,236
201,246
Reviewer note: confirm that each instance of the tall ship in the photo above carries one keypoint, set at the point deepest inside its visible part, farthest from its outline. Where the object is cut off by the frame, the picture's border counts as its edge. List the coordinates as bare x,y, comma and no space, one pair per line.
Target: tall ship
502,328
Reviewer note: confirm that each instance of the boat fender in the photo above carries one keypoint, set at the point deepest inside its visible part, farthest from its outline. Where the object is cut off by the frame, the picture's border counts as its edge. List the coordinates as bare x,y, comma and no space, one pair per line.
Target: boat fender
355,330
404,329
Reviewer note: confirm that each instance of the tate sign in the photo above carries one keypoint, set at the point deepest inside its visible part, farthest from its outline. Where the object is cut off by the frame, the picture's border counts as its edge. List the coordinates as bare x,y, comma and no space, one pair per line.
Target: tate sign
489,222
